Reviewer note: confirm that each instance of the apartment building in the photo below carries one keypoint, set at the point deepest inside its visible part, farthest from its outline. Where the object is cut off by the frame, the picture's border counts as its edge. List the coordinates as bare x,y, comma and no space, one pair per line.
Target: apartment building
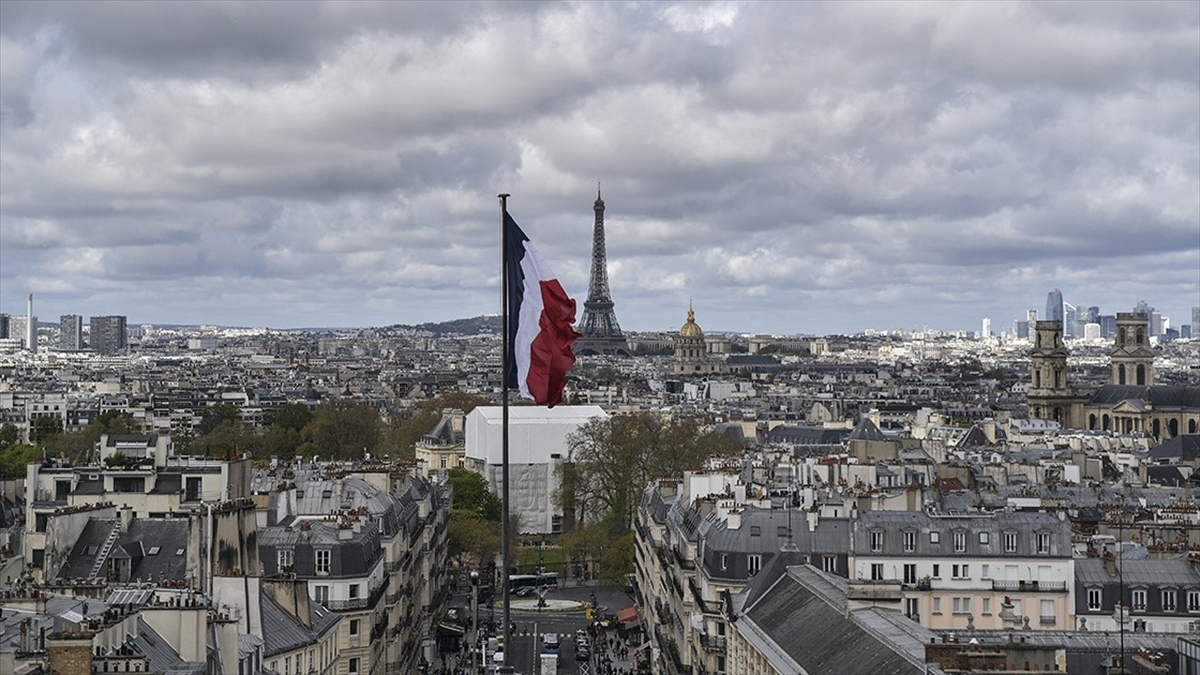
1004,569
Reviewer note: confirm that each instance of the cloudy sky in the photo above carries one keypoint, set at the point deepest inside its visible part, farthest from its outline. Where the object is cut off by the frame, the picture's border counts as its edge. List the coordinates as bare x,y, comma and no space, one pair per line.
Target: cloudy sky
791,168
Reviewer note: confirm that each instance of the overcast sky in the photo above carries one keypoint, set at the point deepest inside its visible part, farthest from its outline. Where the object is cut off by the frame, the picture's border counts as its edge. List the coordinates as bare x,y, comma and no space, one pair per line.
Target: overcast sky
791,168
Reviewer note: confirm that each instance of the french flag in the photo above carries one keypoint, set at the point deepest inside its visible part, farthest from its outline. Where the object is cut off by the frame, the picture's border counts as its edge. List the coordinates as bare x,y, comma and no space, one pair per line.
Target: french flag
540,317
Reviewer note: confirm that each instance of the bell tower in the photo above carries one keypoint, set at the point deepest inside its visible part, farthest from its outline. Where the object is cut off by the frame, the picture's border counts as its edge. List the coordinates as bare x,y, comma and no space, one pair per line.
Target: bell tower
1132,358
1049,395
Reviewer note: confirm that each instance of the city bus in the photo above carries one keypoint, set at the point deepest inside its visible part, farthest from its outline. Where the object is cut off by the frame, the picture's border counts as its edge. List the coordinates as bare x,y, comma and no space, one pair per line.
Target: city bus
522,584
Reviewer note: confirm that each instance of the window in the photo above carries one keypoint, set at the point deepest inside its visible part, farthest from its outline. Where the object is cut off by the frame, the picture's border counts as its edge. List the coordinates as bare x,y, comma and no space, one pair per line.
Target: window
984,538
987,606
962,605
877,541
154,550
985,572
1193,600
1048,614
753,563
937,571
354,626
910,573
829,563
724,561
354,665
935,537
1139,600
1010,542
960,571
1168,600
910,542
937,605
286,558
353,591
1093,599
911,609
322,594
323,558
755,531
876,571
1043,542
960,542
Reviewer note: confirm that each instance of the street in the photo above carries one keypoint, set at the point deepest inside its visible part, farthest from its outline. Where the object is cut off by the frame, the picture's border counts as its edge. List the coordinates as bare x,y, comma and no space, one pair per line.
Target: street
525,649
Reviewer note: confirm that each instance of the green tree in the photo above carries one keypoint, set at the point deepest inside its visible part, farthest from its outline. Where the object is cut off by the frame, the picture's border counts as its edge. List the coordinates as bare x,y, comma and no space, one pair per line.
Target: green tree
79,446
113,422
44,427
471,494
408,426
293,416
216,415
472,541
14,457
280,441
344,429
614,459
9,434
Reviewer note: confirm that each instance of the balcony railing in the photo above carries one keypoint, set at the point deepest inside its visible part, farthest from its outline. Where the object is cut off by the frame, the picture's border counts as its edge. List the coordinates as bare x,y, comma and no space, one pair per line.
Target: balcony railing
1029,586
713,643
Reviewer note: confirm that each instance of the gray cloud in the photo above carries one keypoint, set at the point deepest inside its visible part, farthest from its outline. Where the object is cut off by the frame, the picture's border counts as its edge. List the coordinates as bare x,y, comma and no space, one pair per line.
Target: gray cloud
792,167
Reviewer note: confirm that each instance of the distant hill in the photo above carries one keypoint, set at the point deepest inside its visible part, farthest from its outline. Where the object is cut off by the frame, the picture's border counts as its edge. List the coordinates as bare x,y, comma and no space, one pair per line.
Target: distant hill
472,326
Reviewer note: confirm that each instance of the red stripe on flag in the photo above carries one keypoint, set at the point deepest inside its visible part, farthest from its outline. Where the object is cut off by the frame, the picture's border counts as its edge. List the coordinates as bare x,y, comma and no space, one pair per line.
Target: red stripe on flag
550,353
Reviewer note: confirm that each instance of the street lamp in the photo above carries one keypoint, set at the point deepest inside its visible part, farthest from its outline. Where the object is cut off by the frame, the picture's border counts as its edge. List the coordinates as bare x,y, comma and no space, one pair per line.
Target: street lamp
474,621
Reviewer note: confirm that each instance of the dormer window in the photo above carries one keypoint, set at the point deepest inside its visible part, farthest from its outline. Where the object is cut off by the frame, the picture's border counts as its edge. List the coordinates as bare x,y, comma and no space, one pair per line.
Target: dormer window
876,540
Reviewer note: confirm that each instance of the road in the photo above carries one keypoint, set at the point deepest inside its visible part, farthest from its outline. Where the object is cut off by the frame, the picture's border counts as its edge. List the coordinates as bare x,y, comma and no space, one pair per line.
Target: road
526,647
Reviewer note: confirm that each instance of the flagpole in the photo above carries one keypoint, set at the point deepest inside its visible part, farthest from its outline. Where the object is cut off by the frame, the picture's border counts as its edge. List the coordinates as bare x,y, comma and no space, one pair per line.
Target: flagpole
505,553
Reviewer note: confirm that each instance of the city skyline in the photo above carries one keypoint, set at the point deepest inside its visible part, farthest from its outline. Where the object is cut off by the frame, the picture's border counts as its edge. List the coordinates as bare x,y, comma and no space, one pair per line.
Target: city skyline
789,168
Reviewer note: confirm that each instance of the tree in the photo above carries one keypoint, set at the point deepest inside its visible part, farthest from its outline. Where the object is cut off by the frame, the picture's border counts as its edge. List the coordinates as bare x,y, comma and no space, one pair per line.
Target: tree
14,457
408,426
344,429
613,459
293,416
80,445
471,540
213,416
9,434
44,427
471,494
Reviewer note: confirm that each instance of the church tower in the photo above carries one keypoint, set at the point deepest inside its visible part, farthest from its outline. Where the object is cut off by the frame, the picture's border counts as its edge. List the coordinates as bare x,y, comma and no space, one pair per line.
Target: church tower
598,328
1132,358
691,351
1049,395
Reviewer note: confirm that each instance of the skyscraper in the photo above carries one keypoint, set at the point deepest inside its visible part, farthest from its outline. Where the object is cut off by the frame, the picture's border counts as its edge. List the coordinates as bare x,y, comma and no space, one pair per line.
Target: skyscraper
31,328
107,334
1070,319
986,327
1195,320
70,332
598,328
1054,306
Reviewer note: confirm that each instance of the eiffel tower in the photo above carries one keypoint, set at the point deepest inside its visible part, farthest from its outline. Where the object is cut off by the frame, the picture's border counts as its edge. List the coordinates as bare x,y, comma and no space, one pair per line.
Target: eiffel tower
600,333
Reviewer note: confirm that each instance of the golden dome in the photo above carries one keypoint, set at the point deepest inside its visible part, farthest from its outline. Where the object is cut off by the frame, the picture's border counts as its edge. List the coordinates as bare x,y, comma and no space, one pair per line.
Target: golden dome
691,329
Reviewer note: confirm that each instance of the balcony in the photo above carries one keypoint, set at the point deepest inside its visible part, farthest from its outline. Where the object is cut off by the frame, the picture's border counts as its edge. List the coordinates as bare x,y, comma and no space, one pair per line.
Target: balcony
1008,586
713,643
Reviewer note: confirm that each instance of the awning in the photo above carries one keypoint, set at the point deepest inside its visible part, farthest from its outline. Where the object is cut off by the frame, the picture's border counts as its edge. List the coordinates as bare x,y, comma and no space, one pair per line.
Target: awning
628,615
